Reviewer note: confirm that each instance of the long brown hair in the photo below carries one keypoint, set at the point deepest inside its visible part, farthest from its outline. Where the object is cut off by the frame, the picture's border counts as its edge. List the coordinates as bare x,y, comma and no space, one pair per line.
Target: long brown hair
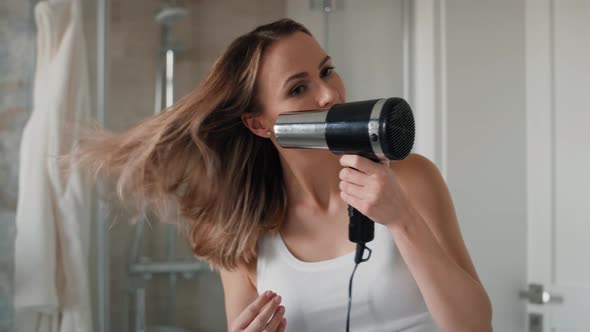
198,157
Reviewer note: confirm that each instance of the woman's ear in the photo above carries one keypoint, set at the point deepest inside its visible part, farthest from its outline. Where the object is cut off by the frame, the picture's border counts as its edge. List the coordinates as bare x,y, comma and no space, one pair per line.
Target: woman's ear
253,122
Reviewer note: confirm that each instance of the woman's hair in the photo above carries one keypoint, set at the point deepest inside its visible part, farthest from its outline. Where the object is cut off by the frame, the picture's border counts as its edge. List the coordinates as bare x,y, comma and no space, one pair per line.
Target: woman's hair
198,158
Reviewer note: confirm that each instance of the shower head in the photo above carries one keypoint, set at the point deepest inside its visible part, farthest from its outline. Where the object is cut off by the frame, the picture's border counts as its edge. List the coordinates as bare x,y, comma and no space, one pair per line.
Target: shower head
169,14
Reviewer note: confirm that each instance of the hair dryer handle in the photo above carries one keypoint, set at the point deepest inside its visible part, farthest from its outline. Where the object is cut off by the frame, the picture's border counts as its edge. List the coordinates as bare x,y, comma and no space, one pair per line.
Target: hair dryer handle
361,229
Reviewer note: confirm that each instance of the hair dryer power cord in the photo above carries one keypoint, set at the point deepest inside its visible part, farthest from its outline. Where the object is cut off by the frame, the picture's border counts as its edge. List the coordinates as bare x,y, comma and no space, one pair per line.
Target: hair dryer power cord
358,258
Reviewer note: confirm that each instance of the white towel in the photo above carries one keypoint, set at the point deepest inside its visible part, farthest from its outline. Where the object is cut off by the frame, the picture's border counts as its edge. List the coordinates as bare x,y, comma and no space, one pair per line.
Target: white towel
53,214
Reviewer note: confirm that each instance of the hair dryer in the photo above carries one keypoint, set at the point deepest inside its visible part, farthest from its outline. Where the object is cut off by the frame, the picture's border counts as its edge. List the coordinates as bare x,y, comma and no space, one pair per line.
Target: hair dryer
379,129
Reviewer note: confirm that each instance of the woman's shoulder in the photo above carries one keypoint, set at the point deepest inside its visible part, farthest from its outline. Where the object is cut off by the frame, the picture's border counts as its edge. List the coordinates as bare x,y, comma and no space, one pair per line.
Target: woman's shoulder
420,178
248,271
413,166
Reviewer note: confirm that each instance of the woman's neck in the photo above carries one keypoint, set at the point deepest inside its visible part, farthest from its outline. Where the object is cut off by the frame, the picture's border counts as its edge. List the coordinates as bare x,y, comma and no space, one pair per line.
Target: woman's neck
312,179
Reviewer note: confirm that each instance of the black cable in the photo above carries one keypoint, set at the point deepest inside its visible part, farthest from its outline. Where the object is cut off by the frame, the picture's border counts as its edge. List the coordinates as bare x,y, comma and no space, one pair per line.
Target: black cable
360,249
350,299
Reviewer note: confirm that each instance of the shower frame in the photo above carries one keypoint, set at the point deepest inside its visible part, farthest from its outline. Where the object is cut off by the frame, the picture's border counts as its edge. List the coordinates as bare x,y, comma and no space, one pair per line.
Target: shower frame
102,320
136,266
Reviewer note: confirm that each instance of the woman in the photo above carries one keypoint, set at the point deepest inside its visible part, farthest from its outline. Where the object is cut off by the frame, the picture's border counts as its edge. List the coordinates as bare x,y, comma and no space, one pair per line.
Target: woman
276,219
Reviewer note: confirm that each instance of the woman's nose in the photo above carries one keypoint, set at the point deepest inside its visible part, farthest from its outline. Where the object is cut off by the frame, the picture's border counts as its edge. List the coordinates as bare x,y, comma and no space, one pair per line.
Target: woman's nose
327,96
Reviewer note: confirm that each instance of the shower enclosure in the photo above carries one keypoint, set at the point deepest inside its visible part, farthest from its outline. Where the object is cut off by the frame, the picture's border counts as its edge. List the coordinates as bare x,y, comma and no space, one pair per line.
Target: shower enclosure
147,54
142,267
144,55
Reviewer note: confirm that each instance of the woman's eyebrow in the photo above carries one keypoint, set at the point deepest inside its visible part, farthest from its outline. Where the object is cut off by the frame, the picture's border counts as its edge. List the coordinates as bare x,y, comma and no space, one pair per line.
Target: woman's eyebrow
326,59
304,74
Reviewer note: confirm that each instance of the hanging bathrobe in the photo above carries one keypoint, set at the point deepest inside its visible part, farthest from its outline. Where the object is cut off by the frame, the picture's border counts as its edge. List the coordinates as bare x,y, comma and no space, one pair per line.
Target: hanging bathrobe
54,213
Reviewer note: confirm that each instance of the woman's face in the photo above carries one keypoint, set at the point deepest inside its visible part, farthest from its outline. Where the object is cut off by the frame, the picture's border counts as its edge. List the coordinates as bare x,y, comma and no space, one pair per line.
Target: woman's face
295,74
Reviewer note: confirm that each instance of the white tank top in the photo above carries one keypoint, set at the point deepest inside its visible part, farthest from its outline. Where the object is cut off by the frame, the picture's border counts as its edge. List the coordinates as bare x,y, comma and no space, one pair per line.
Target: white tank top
385,296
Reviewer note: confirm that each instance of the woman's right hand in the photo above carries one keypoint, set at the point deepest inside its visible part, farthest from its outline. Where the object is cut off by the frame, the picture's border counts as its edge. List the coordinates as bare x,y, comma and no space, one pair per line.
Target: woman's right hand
255,318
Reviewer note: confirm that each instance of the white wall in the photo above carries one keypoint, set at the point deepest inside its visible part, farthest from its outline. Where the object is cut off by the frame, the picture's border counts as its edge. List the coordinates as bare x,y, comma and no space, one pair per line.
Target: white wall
486,151
365,40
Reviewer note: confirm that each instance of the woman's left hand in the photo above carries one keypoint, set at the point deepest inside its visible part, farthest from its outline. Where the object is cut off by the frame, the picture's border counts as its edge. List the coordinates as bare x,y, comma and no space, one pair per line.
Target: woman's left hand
373,189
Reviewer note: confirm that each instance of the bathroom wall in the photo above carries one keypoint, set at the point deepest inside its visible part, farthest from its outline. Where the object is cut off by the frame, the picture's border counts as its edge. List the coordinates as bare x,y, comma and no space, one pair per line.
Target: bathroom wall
134,44
487,172
17,58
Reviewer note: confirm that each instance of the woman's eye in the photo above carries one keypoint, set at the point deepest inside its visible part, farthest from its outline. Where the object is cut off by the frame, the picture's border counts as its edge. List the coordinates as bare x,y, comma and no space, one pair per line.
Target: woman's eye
327,71
297,90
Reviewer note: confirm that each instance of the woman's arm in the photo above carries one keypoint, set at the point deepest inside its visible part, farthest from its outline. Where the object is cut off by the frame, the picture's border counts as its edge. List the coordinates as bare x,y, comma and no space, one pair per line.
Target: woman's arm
246,311
431,244
238,292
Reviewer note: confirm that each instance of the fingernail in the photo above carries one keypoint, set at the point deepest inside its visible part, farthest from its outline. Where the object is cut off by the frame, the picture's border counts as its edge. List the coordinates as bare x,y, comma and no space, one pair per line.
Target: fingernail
284,321
281,309
278,299
268,294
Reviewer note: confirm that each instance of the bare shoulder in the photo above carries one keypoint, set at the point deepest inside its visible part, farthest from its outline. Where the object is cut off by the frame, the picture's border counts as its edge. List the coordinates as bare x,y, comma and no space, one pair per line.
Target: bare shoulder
426,189
424,184
238,290
414,167
245,272
250,271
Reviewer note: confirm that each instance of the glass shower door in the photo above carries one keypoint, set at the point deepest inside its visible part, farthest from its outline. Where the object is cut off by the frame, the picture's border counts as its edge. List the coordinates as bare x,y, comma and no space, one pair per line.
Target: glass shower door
367,40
